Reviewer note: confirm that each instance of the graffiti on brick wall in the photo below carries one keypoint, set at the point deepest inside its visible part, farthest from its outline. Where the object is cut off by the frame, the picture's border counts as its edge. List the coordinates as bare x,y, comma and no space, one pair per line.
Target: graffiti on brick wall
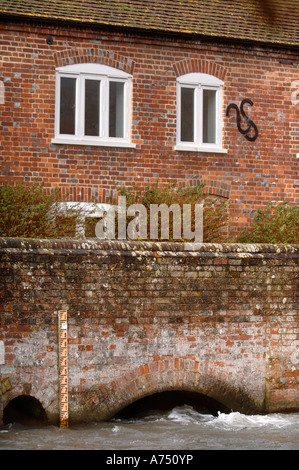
241,113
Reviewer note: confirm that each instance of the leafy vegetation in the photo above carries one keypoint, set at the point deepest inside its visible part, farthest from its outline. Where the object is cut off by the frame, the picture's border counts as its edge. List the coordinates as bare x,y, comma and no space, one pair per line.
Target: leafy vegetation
215,211
28,211
278,224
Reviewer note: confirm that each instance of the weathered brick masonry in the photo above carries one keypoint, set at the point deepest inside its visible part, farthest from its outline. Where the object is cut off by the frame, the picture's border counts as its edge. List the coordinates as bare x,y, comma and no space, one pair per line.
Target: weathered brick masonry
249,174
145,318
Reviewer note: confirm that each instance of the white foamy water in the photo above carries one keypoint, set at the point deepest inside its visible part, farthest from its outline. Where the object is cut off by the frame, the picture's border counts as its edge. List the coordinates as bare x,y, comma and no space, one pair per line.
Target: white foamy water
181,428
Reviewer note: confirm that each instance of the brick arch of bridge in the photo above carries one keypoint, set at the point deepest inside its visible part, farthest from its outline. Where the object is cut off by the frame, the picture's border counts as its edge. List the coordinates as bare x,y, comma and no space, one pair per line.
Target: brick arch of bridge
45,397
35,388
160,375
165,374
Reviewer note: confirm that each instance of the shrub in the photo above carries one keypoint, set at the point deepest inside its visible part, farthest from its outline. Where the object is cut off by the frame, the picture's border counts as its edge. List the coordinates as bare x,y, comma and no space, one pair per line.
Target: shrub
274,224
28,211
215,213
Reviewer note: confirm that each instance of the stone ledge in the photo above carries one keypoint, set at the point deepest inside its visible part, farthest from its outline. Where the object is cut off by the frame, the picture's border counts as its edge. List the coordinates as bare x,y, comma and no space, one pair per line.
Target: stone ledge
68,246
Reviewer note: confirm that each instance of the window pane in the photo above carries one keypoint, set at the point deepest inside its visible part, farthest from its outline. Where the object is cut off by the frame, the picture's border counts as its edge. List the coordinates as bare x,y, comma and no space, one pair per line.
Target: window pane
209,116
116,109
92,107
67,105
187,114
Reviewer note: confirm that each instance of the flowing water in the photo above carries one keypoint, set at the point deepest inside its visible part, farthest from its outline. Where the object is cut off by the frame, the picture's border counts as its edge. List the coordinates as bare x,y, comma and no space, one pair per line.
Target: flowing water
182,428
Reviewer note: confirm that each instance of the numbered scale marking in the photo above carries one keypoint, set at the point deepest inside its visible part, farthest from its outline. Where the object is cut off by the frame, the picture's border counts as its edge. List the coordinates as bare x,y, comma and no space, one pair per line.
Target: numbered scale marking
63,369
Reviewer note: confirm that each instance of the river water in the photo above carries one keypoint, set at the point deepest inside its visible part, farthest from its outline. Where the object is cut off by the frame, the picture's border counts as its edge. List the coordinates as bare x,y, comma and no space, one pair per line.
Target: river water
182,428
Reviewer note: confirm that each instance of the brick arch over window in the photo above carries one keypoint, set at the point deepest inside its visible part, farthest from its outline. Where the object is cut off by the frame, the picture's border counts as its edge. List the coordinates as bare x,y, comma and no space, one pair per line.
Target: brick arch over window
199,66
167,374
212,187
93,55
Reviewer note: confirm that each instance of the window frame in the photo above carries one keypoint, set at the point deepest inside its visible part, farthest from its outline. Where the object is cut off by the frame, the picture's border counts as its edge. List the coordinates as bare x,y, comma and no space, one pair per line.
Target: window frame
105,74
199,82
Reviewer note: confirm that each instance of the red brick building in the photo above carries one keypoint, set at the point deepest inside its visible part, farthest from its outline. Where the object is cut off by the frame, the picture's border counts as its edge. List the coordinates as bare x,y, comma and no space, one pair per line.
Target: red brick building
95,93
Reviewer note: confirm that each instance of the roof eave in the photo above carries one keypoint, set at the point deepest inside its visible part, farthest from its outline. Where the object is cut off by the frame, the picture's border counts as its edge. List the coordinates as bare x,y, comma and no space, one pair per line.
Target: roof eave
192,35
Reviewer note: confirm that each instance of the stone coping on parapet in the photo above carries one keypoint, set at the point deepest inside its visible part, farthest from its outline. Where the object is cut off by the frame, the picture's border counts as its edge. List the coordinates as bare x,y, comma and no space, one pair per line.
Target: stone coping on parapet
163,248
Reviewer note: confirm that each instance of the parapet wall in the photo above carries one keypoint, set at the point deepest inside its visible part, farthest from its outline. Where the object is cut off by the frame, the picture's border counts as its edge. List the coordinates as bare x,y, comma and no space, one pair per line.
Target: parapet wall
148,317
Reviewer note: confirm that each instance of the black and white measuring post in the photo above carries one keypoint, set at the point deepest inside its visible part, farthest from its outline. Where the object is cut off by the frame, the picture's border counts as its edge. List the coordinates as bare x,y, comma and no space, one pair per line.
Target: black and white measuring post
63,369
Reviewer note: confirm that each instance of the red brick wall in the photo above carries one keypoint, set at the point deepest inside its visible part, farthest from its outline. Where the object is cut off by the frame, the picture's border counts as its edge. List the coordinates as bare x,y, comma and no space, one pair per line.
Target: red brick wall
250,174
145,318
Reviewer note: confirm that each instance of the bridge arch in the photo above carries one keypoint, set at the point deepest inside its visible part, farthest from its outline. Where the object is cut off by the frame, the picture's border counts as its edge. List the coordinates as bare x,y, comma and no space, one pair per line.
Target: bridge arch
24,409
164,402
37,397
169,375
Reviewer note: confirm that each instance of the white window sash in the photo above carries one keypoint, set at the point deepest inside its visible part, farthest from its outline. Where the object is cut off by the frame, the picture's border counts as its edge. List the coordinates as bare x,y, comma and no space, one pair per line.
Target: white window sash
81,108
179,104
57,103
126,115
189,81
92,73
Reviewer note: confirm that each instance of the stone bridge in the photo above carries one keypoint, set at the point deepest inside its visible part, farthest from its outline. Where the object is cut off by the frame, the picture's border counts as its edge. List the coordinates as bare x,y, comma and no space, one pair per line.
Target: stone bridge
216,327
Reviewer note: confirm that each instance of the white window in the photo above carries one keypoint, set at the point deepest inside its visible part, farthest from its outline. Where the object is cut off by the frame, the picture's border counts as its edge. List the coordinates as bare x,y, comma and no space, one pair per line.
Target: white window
93,105
199,113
